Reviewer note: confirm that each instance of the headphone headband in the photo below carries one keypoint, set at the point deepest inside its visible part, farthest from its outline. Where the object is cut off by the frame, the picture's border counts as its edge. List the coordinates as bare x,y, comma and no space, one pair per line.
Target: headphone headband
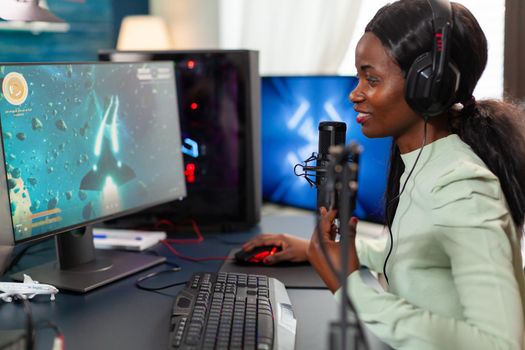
441,13
442,22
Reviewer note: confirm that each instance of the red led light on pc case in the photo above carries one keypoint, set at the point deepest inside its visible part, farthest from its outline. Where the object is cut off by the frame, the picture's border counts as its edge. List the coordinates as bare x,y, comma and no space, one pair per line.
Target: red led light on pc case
189,172
190,64
194,105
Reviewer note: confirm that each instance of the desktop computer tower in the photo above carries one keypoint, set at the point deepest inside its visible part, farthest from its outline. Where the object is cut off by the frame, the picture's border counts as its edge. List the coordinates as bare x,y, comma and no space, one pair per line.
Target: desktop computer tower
219,107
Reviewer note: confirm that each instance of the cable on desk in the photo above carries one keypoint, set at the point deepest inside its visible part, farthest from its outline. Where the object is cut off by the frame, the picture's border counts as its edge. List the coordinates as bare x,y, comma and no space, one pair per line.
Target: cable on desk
16,259
167,262
189,258
200,238
170,225
141,280
59,342
30,329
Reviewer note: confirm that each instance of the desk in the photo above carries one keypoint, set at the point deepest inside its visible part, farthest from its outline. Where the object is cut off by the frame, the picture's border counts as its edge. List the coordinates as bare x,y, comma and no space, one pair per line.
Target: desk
121,316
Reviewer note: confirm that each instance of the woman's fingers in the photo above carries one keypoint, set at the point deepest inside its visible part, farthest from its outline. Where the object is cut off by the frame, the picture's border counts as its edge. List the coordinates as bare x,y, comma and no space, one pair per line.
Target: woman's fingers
326,224
352,226
263,239
333,232
284,255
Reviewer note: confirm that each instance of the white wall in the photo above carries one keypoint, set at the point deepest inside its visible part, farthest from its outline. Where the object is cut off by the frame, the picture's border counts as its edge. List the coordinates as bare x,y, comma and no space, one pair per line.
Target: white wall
294,37
218,23
194,24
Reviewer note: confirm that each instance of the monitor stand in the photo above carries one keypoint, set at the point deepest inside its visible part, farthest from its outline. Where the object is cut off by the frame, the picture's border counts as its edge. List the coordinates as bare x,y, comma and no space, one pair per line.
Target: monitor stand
81,268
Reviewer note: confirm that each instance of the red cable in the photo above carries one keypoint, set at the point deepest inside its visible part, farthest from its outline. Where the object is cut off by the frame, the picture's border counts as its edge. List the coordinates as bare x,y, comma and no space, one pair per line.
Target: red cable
176,253
198,240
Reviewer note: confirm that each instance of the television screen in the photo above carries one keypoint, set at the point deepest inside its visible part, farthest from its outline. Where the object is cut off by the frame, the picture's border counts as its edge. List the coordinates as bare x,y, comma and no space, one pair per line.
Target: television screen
292,107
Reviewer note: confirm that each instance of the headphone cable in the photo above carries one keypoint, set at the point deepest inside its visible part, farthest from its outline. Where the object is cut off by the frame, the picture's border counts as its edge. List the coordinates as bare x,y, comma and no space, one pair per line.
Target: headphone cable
399,195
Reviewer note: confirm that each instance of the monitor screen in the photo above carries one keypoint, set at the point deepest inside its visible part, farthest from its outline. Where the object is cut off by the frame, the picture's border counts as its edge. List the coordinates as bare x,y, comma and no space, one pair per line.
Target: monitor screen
87,142
292,107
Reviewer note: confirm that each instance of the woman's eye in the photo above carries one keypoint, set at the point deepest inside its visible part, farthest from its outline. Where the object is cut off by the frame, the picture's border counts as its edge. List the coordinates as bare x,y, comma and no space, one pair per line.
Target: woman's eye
372,80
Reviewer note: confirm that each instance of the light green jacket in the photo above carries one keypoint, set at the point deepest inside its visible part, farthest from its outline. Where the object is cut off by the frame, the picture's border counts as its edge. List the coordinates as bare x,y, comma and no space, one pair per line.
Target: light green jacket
455,274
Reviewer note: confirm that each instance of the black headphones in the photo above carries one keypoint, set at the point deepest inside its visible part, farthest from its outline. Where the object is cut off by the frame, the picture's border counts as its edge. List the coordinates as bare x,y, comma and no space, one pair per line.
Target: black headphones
432,81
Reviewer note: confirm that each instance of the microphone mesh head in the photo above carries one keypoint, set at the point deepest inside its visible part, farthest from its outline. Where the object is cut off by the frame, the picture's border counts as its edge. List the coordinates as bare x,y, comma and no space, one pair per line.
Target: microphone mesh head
330,134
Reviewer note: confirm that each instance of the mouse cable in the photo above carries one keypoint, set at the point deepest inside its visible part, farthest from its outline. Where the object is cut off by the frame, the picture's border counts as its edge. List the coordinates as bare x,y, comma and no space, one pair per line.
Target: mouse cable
200,238
398,196
167,243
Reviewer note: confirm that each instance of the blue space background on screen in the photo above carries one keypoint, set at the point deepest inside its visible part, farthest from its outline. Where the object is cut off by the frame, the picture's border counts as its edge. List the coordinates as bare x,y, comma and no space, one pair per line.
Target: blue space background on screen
292,107
89,141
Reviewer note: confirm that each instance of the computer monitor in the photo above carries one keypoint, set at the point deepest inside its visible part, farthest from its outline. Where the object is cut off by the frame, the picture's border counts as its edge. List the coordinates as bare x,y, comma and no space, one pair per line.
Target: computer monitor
82,143
292,107
219,107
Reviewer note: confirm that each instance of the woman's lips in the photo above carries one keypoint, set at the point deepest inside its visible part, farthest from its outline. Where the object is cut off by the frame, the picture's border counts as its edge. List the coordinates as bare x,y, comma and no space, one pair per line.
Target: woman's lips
362,117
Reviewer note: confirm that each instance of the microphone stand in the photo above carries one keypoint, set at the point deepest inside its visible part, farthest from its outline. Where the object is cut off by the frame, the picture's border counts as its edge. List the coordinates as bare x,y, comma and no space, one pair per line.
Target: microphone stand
341,177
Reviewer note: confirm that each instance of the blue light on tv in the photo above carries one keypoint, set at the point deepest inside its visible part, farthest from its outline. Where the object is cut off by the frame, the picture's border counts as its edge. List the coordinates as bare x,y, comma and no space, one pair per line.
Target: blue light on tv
292,108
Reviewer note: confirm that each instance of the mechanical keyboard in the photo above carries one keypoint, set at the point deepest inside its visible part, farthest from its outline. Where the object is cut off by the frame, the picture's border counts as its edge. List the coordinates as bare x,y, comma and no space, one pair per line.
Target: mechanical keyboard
232,311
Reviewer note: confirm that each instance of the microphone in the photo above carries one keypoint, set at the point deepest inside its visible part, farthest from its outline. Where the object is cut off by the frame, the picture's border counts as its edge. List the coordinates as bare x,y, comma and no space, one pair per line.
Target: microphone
330,134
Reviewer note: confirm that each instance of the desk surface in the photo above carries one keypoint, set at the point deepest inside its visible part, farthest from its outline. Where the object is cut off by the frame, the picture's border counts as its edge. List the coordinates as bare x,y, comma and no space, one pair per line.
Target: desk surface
121,316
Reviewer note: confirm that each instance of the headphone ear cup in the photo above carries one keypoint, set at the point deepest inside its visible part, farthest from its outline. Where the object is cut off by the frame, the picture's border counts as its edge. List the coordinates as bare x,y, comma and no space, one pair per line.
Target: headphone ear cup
418,83
420,89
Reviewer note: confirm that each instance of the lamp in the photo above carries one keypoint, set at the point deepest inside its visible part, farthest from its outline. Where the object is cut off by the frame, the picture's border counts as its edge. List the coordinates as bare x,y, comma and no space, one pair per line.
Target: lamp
27,11
144,33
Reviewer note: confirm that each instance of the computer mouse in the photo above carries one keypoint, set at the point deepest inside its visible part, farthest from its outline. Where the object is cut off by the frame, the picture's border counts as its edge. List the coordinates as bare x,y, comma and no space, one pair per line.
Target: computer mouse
256,255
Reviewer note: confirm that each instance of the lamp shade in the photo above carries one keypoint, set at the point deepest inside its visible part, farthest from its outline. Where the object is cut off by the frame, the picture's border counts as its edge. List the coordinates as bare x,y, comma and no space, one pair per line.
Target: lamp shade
26,10
144,33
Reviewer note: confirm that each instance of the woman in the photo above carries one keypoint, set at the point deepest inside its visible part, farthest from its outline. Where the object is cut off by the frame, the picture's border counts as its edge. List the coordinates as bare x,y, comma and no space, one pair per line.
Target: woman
455,207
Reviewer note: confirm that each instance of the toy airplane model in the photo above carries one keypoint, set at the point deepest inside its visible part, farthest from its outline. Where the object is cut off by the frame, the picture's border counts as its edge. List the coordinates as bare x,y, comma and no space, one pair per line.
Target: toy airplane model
27,289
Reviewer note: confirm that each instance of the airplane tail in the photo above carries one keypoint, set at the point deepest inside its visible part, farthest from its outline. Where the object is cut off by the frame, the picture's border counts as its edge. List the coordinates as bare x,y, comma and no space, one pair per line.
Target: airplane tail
28,279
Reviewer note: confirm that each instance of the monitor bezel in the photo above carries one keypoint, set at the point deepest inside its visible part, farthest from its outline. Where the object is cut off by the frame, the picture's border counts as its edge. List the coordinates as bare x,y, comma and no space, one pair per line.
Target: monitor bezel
101,218
4,238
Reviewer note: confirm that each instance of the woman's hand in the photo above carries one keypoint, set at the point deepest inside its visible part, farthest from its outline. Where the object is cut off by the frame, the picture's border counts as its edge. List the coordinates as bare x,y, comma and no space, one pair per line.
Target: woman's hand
328,232
293,248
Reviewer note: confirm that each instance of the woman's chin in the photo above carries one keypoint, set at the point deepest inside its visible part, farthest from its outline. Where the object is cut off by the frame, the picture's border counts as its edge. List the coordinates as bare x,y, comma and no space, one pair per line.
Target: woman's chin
371,132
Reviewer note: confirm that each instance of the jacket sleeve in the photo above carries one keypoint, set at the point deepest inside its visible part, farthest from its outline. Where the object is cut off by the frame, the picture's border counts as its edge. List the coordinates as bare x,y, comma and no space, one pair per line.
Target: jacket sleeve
471,224
371,252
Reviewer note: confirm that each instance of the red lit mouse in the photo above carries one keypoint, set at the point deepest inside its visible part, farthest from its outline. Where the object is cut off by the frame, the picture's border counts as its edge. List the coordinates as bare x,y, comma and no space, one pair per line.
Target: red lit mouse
256,255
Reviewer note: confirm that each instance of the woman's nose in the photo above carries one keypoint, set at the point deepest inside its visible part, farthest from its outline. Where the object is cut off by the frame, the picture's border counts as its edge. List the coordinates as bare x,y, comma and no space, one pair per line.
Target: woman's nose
356,96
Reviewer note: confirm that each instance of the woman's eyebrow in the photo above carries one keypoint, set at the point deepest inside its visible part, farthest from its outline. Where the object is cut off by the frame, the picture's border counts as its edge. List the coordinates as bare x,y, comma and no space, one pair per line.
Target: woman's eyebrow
366,66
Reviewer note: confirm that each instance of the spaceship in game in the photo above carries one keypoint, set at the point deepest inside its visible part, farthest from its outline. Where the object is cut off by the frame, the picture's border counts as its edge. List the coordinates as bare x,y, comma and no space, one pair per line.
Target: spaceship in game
108,169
